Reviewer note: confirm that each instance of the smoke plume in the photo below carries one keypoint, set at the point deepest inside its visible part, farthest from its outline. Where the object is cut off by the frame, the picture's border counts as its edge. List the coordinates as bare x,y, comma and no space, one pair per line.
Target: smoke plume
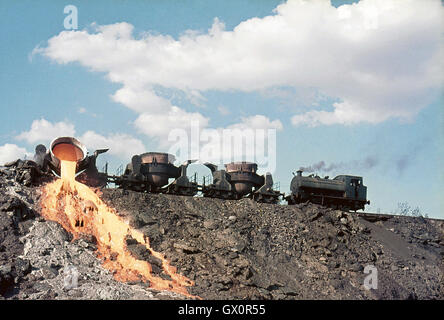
321,167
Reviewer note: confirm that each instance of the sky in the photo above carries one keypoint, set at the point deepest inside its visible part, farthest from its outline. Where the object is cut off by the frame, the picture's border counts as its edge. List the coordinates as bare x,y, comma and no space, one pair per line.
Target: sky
347,87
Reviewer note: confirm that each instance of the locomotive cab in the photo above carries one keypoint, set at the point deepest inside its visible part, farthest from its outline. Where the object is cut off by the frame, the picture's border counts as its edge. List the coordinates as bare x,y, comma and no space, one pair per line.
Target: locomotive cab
354,187
343,192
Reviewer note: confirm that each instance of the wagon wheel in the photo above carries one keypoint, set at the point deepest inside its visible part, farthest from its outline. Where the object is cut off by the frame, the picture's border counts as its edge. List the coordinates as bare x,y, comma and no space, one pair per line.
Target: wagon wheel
272,199
290,200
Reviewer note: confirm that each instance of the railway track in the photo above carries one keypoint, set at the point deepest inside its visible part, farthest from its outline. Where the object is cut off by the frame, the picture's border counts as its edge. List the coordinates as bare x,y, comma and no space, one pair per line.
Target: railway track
373,217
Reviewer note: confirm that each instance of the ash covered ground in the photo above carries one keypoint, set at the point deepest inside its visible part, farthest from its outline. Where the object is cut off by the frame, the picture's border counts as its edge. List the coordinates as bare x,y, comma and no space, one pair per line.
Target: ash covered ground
231,249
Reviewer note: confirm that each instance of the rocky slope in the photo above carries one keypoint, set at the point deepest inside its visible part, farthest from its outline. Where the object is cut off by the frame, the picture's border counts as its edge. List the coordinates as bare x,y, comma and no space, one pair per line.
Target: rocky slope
37,256
231,249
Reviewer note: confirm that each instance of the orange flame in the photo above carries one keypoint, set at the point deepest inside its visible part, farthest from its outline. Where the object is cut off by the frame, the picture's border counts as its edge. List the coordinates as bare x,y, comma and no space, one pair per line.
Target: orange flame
80,211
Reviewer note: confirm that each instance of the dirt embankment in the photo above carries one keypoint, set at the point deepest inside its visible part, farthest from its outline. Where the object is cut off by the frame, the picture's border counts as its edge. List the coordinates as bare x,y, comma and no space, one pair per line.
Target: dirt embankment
247,250
231,249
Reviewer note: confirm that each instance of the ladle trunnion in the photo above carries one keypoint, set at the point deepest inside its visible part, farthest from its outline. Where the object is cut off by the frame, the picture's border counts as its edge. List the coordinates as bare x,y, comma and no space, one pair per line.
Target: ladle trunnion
71,149
240,179
151,171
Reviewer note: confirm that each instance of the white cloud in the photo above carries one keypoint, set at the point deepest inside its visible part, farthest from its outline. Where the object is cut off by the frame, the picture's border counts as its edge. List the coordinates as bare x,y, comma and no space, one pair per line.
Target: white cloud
10,152
141,100
379,58
255,132
159,125
257,122
121,145
223,111
43,131
251,139
124,146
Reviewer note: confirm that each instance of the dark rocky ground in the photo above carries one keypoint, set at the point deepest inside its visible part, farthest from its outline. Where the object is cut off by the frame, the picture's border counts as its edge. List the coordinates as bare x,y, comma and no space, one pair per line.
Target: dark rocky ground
231,249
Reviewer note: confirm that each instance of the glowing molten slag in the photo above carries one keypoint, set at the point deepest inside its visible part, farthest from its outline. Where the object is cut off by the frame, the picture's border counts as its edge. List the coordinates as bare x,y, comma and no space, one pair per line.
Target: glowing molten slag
80,211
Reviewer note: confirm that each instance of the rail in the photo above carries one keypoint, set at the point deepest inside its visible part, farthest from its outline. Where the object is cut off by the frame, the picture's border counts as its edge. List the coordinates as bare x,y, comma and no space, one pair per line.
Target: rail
370,216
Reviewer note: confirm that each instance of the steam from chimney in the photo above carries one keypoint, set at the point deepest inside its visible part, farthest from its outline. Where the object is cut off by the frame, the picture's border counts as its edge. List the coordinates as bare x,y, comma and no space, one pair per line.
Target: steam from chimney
405,160
367,163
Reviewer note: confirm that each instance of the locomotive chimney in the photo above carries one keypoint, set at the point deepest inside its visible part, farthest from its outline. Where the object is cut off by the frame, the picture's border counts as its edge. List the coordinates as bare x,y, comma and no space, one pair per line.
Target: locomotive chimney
299,172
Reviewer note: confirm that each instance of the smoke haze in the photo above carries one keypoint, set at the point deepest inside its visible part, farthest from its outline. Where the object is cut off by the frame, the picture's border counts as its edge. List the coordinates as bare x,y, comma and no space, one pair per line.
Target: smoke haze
321,166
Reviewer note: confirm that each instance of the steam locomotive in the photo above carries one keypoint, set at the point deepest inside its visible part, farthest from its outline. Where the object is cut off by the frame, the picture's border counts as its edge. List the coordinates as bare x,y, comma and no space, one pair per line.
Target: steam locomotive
152,171
343,192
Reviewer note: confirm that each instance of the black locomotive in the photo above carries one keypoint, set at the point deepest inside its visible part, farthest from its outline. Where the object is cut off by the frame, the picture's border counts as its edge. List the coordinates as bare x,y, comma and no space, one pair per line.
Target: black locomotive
343,192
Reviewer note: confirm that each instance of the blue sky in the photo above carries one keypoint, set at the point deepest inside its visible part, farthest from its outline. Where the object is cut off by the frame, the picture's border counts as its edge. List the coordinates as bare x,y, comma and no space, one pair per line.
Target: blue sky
352,85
